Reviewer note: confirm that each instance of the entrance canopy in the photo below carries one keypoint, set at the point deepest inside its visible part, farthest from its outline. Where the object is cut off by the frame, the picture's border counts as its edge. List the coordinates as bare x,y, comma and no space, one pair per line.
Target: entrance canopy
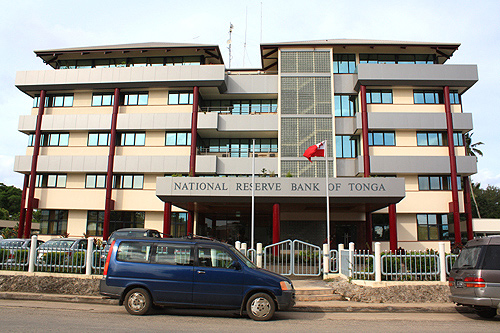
210,194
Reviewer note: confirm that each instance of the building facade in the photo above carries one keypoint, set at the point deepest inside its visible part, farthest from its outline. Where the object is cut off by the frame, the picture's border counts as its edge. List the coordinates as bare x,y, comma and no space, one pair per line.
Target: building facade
163,136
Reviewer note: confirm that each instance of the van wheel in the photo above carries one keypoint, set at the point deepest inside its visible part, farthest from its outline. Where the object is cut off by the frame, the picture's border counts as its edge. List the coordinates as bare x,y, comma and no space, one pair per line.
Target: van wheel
138,302
486,312
260,306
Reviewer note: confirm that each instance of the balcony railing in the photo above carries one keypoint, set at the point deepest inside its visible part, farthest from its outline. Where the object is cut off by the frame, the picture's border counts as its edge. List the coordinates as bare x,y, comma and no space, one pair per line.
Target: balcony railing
237,152
236,111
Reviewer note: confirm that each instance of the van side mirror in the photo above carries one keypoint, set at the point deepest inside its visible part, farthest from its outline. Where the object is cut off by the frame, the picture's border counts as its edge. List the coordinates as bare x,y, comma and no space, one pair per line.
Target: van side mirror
235,265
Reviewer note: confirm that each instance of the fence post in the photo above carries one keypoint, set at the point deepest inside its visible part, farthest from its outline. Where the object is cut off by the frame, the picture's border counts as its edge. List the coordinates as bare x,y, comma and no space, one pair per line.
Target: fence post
259,255
351,258
377,265
442,261
339,257
326,260
34,242
237,245
90,256
243,248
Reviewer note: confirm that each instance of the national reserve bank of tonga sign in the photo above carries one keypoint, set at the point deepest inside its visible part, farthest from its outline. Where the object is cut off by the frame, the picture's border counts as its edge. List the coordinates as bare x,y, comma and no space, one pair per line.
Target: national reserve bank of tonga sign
284,187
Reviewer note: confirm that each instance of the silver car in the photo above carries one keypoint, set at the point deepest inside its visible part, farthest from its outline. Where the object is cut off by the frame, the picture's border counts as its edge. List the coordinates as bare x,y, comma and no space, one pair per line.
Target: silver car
475,277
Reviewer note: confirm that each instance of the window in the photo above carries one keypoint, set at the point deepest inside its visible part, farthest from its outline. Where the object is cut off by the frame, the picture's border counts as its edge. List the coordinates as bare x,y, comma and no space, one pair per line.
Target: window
432,227
177,139
346,146
132,139
95,222
95,181
437,183
345,105
53,222
177,97
126,219
379,96
98,139
380,225
381,139
344,63
434,97
135,99
214,257
129,62
134,251
174,254
438,139
50,140
55,100
178,223
46,180
106,99
128,181
397,58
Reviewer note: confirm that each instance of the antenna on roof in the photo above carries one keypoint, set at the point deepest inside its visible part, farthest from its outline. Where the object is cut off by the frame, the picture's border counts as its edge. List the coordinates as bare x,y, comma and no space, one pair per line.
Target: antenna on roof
229,43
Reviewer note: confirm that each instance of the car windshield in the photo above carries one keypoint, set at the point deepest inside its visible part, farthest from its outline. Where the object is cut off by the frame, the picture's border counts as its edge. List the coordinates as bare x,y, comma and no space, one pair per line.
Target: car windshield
59,243
242,257
468,257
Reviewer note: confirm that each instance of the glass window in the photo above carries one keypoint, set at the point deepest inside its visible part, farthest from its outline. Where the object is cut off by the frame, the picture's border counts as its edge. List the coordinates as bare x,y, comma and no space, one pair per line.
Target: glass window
132,139
126,219
345,105
214,257
95,181
432,227
177,139
346,146
128,181
95,222
380,224
381,139
135,99
103,99
134,251
50,180
53,222
423,183
174,254
98,139
344,63
176,97
379,96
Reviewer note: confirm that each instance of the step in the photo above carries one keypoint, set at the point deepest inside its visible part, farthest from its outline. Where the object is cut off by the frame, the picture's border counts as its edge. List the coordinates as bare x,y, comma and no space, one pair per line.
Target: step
318,298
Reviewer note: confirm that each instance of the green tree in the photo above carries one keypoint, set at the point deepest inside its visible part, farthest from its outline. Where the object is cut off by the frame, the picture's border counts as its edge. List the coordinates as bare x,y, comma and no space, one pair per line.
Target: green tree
10,198
488,201
471,149
4,214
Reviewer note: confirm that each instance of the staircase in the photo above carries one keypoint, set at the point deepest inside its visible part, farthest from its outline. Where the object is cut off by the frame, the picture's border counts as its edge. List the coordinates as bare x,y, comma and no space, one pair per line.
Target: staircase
314,291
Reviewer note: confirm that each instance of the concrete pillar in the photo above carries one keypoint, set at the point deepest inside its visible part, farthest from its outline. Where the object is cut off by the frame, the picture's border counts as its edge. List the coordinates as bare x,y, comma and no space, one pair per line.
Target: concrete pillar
351,258
90,256
442,261
243,248
339,257
326,260
377,265
32,258
259,255
237,245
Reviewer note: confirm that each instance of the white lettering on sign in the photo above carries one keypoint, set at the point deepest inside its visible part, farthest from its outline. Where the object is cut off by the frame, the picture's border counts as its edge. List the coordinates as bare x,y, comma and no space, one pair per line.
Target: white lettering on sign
362,187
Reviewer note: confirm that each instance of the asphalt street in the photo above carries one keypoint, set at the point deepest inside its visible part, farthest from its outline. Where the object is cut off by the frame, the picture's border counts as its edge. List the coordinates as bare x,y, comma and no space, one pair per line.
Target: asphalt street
39,316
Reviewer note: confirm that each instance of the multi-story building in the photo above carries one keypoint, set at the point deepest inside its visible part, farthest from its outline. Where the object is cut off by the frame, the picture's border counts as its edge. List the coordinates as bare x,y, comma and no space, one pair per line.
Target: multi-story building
163,136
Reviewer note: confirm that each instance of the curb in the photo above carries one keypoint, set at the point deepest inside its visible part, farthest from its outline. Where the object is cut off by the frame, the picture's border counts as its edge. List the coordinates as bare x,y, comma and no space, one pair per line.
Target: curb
339,306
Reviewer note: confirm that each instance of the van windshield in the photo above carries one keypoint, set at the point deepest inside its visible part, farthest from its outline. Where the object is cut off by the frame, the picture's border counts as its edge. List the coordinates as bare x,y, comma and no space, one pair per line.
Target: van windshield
468,257
242,257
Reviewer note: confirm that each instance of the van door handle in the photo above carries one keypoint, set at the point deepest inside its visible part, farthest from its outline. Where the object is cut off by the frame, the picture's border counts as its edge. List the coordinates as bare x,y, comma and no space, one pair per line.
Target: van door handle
200,272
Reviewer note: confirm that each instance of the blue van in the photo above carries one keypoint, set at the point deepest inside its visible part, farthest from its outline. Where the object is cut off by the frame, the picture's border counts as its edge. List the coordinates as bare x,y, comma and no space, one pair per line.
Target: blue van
194,273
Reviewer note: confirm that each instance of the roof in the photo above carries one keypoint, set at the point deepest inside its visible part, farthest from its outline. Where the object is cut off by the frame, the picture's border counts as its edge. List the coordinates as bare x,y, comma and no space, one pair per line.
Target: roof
120,47
361,42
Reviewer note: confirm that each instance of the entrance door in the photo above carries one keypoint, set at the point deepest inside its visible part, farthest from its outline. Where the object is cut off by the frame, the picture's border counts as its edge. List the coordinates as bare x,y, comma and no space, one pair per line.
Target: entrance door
346,233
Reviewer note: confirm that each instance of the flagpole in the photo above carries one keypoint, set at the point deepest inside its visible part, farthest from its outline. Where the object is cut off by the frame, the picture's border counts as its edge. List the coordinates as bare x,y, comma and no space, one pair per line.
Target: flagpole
327,199
253,196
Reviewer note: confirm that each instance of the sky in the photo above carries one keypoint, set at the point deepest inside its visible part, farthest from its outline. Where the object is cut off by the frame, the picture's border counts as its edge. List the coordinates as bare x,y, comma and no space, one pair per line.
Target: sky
27,25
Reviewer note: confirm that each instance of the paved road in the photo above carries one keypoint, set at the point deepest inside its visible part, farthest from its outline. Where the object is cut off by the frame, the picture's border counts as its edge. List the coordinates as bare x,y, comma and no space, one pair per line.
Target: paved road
36,316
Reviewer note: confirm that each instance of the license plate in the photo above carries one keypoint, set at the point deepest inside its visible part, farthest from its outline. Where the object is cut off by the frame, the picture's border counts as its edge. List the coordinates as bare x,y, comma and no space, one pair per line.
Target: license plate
459,284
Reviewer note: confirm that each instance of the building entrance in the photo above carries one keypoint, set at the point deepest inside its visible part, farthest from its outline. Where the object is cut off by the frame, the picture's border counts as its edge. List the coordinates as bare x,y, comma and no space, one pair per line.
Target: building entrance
346,233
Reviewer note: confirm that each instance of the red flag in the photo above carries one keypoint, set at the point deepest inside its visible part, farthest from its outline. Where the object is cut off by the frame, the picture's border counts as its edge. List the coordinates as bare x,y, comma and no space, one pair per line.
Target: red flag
315,150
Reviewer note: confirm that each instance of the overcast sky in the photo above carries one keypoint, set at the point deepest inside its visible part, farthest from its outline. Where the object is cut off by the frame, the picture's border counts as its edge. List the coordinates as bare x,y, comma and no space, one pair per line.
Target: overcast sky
27,25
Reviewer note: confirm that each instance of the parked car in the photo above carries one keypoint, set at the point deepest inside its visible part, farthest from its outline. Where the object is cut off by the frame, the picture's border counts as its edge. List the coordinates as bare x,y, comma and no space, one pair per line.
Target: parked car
15,250
191,272
475,277
128,233
62,251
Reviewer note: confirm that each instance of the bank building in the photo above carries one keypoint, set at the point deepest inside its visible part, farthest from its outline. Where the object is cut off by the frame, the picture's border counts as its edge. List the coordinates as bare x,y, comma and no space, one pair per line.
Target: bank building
164,136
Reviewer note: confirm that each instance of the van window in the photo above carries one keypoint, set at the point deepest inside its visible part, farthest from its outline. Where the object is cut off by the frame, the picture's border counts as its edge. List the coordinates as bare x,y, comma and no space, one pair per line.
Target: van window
468,257
134,251
214,257
174,254
491,257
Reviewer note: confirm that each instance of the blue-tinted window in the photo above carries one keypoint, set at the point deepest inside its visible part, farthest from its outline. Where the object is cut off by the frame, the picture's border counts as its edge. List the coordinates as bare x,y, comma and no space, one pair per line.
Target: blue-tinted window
177,139
379,96
346,146
344,63
381,139
345,105
135,99
131,139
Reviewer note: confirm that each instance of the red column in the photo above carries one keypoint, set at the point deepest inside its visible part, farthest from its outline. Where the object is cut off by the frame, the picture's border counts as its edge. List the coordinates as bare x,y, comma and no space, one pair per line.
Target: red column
276,222
393,231
468,208
167,216
453,166
190,223
194,132
22,214
111,159
34,162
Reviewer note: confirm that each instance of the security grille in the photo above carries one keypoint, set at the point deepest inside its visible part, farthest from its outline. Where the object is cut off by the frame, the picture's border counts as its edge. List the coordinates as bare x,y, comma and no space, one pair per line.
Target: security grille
305,61
306,95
